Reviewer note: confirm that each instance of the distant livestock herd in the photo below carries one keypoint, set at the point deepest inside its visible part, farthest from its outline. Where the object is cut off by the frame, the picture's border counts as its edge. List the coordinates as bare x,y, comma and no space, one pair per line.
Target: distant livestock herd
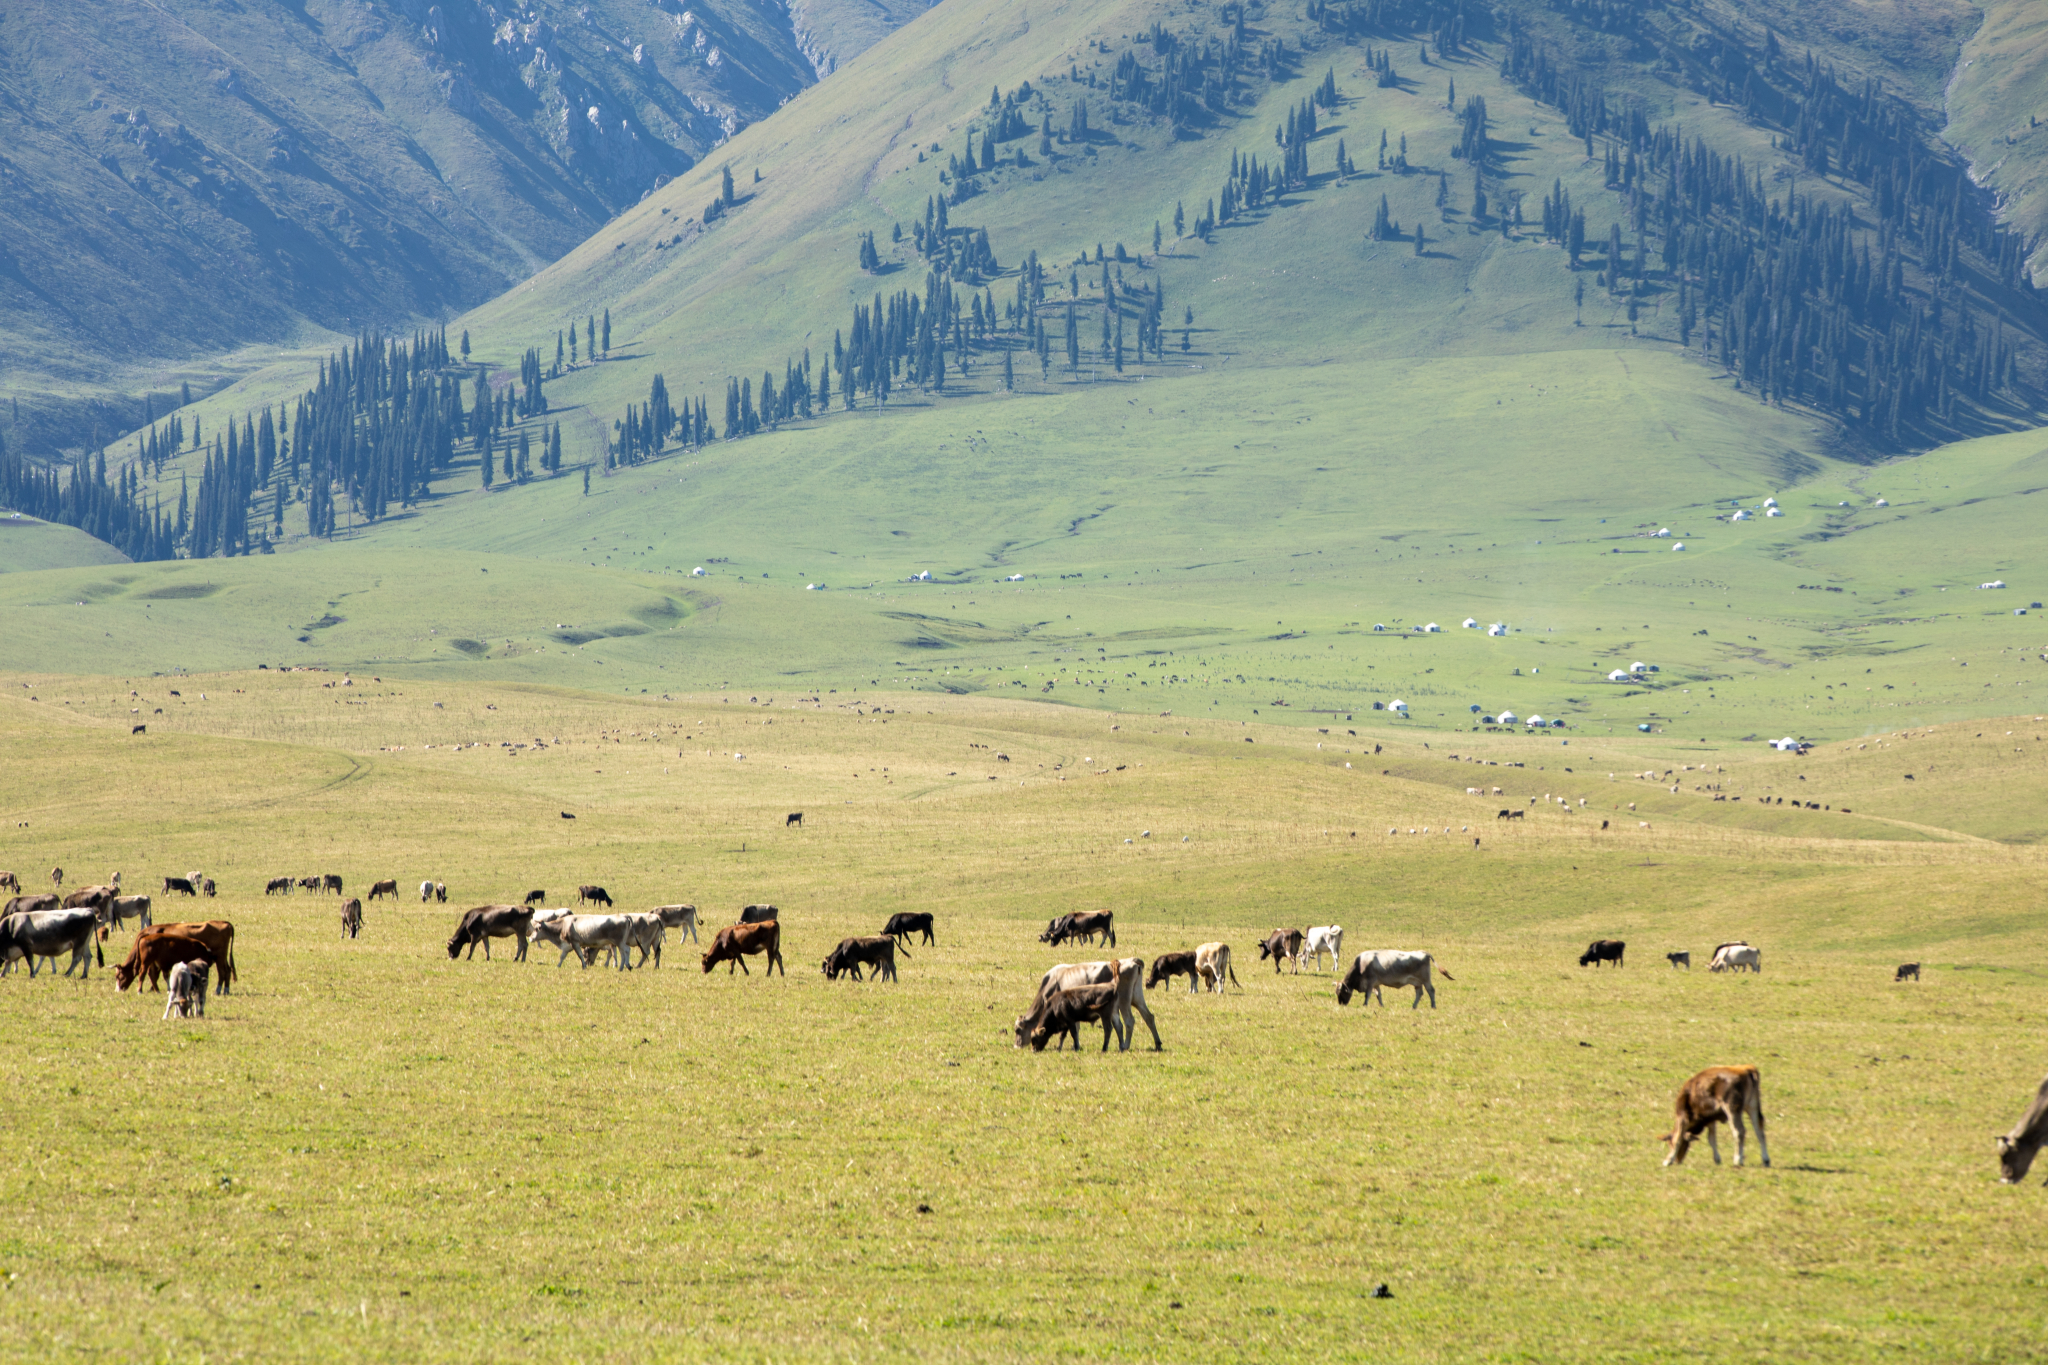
41,927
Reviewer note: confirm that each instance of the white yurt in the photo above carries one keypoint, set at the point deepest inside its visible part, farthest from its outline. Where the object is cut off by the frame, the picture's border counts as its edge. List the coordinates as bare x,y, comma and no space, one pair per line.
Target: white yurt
1507,718
1770,502
1774,511
1432,629
1679,546
1471,623
1618,675
1398,706
1497,628
1881,502
1537,720
1740,516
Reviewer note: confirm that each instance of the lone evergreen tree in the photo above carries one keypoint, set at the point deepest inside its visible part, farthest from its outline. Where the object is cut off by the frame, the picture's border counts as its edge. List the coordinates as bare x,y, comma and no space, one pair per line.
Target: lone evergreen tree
725,196
607,333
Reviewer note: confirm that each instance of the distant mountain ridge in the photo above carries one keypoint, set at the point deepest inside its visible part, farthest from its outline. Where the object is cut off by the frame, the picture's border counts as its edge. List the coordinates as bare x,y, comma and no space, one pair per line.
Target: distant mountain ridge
178,179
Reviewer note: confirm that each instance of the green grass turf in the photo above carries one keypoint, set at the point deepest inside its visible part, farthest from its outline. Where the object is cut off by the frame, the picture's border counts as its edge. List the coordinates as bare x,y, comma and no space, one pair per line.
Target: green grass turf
369,1150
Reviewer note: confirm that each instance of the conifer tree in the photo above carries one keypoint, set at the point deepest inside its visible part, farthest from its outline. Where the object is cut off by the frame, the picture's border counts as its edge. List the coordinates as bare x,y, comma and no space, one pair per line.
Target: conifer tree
607,333
725,195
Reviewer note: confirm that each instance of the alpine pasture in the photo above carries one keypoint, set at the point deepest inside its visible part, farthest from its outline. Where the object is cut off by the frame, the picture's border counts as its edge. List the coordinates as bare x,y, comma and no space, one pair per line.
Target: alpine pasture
372,1150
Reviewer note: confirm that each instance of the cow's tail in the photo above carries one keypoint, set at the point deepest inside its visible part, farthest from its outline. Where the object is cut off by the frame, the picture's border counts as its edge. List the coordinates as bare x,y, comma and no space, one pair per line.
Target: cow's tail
1444,974
1233,974
101,954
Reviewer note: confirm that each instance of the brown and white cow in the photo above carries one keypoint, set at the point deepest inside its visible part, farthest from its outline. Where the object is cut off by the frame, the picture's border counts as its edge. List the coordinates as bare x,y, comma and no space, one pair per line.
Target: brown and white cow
1720,1094
1736,957
1282,945
1212,964
736,942
2016,1149
1127,974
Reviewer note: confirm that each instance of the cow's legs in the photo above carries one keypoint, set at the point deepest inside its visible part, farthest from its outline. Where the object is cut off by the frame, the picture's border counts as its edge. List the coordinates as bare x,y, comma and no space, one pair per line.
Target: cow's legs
1714,1146
522,949
1131,1029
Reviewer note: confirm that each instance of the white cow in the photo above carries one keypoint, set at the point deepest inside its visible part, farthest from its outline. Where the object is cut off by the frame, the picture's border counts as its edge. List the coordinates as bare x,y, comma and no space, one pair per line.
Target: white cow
426,892
1390,967
127,907
1733,957
1129,975
584,935
1323,938
681,918
1212,964
647,933
187,999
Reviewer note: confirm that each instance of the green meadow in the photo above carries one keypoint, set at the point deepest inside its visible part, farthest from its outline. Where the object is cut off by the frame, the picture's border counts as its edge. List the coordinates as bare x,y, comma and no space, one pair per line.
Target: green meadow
370,1150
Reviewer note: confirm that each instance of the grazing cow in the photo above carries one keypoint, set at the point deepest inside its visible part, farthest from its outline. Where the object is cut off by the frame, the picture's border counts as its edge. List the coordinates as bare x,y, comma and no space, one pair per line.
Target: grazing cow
1212,963
1167,966
57,876
796,817
187,998
309,884
387,887
1063,1014
1679,960
1390,967
208,887
48,933
535,897
904,923
2017,1148
1082,924
1735,957
1324,938
95,898
1720,1094
1603,950
592,895
878,953
351,917
1127,974
10,882
31,904
156,950
586,935
426,892
331,882
127,907
487,922
440,893
278,886
1905,970
736,942
647,933
759,914
1282,944
139,730
681,918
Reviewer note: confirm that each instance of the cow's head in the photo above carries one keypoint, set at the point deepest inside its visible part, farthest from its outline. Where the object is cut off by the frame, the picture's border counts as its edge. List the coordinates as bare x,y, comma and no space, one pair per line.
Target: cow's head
2013,1159
1040,1036
455,946
124,975
710,959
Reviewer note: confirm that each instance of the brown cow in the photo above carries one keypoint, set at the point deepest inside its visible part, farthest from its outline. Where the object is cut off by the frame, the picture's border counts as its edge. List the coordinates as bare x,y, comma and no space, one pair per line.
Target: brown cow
2017,1148
1282,943
1169,965
387,887
93,897
156,950
11,882
1720,1094
1085,925
736,942
878,953
487,922
351,917
1064,1012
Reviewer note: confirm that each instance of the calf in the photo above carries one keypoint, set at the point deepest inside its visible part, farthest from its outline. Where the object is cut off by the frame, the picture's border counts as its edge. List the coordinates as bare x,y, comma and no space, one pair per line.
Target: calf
352,917
1907,969
1720,1094
128,907
1603,950
1679,960
593,895
681,918
1212,963
1282,944
387,887
1085,925
1167,966
904,923
278,886
878,953
487,922
796,817
1324,938
736,942
187,999
1390,967
2017,1148
180,884
759,914
1063,1014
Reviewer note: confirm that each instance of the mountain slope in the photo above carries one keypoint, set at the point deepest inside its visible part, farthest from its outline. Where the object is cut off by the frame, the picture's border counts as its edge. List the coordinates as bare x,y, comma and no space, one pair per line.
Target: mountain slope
179,179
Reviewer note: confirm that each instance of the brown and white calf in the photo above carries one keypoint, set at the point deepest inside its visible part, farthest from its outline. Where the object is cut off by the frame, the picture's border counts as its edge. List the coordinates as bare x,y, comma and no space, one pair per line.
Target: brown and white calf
1720,1094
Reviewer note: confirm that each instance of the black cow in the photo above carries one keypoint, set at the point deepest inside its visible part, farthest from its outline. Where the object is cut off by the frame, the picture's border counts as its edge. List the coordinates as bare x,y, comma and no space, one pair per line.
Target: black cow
278,886
183,884
1909,969
878,953
595,895
535,897
331,882
904,923
1603,950
1083,925
759,914
796,817
1169,965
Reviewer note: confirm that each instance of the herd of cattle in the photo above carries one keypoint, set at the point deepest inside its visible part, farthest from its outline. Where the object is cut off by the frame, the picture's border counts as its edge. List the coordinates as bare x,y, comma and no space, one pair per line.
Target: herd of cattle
41,927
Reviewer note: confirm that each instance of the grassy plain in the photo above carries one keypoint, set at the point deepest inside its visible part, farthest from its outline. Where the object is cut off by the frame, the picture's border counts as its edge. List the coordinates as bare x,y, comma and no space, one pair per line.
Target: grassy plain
372,1151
